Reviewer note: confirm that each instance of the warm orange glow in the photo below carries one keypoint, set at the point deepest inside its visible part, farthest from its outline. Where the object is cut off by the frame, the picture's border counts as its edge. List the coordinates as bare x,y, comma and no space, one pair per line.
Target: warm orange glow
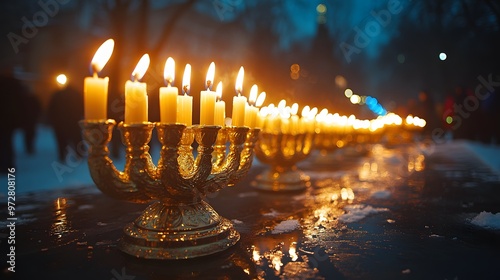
141,68
186,79
102,55
210,75
239,81
169,71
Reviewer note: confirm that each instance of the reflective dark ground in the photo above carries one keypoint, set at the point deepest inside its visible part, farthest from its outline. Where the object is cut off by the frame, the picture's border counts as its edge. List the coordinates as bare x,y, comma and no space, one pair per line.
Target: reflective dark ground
420,201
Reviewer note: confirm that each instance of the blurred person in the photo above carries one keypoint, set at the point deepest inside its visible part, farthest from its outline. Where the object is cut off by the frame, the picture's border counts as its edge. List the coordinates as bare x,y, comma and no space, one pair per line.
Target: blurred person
12,113
64,112
32,111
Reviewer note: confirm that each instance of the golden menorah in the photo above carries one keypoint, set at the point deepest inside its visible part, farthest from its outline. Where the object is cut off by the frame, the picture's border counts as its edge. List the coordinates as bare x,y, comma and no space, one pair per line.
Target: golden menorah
178,224
282,151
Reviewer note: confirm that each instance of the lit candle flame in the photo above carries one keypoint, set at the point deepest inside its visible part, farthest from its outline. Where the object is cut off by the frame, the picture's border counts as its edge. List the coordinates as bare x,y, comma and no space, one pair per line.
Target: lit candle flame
169,71
260,99
312,113
186,79
294,109
253,94
282,104
239,81
305,111
218,90
210,76
141,68
102,56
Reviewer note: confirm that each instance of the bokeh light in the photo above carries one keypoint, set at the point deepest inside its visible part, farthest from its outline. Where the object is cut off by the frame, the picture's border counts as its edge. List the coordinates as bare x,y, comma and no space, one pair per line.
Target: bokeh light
61,79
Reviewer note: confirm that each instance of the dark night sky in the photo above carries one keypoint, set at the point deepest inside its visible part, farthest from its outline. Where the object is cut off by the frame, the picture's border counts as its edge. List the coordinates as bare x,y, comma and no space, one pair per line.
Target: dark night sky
385,48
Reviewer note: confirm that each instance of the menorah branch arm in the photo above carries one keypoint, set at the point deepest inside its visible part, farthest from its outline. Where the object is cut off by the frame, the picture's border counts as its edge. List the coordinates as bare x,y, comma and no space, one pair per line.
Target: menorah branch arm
247,154
205,137
139,166
107,178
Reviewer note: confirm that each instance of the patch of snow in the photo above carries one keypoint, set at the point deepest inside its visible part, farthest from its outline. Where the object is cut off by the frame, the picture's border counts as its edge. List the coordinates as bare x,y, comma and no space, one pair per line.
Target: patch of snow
286,226
358,212
488,154
470,184
383,194
272,214
487,220
435,235
236,222
406,271
247,194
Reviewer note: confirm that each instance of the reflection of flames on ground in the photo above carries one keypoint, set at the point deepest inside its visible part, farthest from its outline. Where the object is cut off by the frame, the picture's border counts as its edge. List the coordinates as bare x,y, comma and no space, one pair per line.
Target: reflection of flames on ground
322,206
61,224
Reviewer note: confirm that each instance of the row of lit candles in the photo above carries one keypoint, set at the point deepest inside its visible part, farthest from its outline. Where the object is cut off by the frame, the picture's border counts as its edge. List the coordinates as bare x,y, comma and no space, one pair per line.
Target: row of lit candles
174,108
284,119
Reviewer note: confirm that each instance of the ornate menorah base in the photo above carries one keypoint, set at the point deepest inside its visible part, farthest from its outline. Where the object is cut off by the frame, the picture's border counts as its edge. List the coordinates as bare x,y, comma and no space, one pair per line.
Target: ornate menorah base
282,180
178,232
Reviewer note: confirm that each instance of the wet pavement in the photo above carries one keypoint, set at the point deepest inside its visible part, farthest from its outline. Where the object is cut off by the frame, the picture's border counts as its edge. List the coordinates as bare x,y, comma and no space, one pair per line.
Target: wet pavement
400,212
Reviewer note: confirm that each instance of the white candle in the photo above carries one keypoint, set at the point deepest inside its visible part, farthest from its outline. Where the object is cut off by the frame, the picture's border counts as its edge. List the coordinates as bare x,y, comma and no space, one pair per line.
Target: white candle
220,107
168,95
239,102
136,97
251,111
185,102
95,89
207,99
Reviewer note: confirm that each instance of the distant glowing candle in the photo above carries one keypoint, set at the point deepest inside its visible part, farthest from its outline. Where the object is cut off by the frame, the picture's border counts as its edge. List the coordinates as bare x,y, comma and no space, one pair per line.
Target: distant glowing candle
185,102
259,119
220,107
136,97
251,111
95,89
294,119
207,99
168,94
239,102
